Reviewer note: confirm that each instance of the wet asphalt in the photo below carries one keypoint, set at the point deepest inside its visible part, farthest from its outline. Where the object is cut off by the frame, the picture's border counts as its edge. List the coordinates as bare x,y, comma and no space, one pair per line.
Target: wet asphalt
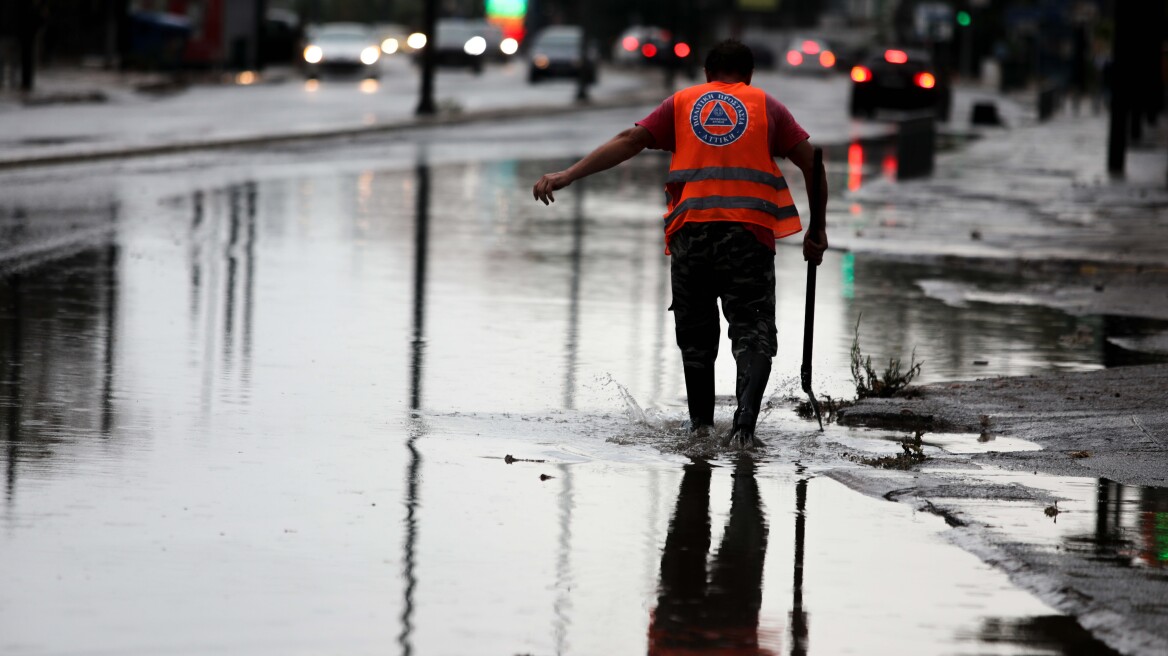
261,402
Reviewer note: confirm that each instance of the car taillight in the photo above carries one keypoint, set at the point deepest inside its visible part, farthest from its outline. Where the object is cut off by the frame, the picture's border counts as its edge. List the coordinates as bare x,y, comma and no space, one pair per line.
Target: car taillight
681,49
925,80
861,74
826,59
895,56
649,50
630,43
794,57
811,47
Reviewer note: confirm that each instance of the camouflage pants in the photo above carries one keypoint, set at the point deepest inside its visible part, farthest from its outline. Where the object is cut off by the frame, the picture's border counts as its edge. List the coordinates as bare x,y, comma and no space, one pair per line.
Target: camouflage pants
722,260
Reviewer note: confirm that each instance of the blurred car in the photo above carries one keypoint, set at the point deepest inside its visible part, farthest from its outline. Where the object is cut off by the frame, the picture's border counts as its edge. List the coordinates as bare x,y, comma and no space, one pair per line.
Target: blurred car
647,45
499,46
461,43
392,39
808,55
342,48
897,78
555,52
764,55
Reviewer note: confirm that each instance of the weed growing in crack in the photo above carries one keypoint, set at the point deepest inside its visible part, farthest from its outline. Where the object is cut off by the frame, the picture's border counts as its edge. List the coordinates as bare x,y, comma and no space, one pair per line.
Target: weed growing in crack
892,382
829,406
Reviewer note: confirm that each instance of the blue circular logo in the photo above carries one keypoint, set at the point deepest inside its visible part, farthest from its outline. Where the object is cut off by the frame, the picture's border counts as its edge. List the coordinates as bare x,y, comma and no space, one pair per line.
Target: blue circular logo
718,119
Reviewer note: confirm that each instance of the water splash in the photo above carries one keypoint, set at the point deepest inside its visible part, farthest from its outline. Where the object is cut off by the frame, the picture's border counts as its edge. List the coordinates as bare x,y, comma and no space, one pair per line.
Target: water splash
633,410
668,431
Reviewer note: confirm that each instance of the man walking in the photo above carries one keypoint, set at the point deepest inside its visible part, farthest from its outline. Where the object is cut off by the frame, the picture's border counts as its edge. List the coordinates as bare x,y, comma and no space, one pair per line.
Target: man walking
728,203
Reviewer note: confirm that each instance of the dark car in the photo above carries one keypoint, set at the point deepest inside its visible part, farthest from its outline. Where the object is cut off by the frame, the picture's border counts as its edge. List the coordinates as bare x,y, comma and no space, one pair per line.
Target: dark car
642,45
461,43
808,55
555,52
903,79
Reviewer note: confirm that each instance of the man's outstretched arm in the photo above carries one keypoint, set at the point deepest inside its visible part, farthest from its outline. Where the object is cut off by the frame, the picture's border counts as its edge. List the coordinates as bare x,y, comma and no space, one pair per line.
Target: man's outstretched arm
815,241
621,147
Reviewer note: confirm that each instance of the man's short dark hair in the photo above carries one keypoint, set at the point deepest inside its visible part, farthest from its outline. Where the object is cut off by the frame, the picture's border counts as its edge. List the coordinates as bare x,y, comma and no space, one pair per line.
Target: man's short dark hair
730,57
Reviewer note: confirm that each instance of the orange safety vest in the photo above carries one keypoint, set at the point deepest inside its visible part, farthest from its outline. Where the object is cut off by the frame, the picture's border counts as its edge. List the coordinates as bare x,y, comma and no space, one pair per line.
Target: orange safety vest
722,162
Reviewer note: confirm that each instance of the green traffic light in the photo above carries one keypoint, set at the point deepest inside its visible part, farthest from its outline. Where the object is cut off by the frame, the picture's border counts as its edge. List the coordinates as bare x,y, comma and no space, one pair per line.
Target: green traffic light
963,18
506,8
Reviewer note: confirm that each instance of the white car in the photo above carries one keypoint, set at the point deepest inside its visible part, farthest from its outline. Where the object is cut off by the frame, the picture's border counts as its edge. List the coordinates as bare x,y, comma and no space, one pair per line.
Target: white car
342,48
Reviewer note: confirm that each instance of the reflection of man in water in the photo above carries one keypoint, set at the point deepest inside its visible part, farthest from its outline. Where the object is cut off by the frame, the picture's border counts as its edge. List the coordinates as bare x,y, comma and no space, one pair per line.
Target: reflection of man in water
718,614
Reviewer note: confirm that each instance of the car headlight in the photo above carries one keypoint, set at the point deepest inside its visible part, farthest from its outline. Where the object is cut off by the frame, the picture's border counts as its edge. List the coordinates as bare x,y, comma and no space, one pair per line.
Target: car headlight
370,55
475,46
509,46
313,54
390,46
416,41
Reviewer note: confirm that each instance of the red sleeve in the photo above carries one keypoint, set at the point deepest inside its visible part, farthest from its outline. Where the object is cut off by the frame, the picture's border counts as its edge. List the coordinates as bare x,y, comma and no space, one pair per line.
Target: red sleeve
659,123
785,133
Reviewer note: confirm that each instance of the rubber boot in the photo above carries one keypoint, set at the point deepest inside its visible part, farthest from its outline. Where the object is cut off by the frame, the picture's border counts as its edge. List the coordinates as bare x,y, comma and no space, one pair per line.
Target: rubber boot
699,393
754,370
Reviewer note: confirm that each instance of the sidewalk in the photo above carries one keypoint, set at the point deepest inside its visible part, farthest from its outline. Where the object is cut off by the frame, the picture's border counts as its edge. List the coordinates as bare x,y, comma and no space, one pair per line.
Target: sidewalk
81,115
1060,480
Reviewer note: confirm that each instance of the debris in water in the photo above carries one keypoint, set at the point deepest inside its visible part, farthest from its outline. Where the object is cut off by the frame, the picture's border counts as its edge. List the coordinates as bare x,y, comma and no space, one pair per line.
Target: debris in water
544,477
981,363
510,459
1082,336
1080,454
913,454
1052,511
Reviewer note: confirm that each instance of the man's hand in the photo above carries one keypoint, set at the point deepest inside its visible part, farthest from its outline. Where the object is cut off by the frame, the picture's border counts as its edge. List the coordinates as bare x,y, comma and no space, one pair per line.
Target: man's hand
548,183
616,150
813,247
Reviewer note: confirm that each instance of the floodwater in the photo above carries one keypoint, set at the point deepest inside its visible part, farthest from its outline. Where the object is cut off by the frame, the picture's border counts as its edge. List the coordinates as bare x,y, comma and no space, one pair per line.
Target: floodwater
262,404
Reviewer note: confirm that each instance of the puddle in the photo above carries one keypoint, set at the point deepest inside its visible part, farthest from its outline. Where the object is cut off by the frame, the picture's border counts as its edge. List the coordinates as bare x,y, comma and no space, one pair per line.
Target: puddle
964,443
1119,524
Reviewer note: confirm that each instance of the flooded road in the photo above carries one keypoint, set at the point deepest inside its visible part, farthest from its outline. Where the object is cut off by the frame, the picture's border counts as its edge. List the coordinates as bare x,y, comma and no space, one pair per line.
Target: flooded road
261,402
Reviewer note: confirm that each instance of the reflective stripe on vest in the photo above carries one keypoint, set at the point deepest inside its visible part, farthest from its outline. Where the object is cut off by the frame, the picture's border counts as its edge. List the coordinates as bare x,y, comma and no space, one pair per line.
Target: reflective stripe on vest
722,168
727,173
732,203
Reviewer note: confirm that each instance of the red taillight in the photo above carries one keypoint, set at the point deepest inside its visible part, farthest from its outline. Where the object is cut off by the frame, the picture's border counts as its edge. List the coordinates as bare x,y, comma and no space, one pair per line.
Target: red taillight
630,43
861,74
794,57
855,166
925,80
649,50
811,47
895,56
826,59
681,49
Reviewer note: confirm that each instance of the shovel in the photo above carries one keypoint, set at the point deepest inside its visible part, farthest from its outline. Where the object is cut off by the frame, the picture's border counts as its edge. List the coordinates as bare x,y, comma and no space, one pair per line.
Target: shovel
817,220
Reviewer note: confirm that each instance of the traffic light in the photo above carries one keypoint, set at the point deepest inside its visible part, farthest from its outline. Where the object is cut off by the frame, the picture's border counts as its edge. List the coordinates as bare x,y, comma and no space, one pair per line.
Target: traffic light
964,19
506,8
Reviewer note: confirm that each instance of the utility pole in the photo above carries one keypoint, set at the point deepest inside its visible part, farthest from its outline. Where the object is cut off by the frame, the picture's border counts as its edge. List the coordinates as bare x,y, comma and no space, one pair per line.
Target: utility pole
1119,85
426,105
587,66
259,53
29,20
